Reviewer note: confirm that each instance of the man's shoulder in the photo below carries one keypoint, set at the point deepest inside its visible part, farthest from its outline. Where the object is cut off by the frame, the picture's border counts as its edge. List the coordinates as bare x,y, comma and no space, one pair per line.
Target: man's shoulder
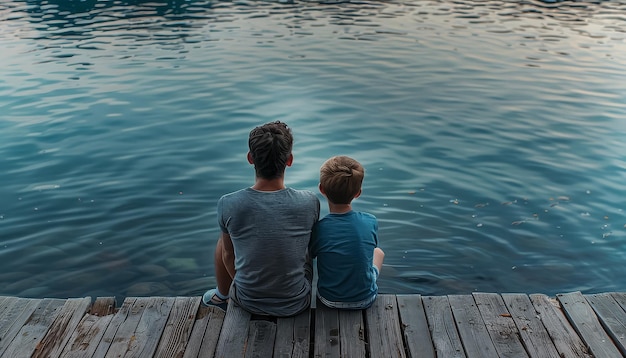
302,193
303,199
235,194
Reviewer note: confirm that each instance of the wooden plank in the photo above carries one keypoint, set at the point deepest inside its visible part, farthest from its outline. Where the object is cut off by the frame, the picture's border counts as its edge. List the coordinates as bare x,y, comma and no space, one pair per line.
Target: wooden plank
8,308
293,336
124,319
103,306
415,327
351,333
28,337
5,303
532,332
383,328
232,340
178,327
500,325
261,336
144,340
87,336
62,328
612,317
14,317
205,333
563,335
586,323
472,330
125,334
442,327
620,297
326,342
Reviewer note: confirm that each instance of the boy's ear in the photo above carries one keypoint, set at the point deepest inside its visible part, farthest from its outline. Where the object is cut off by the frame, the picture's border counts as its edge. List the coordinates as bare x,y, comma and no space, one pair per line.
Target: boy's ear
290,160
319,186
250,160
358,194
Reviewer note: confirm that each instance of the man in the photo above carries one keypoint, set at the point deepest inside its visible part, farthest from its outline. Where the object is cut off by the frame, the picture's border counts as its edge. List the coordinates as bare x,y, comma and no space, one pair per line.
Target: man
261,257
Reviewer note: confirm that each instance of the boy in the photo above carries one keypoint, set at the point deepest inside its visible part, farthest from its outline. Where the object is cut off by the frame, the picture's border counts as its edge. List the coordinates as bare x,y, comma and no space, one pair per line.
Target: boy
265,233
345,242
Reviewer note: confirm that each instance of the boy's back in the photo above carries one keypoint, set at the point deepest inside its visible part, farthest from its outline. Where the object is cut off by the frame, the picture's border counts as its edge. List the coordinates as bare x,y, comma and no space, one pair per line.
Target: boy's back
344,246
345,242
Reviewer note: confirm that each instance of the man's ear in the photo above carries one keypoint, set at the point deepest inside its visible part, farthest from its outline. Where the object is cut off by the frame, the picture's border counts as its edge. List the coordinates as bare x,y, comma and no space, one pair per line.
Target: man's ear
319,186
358,194
289,160
250,160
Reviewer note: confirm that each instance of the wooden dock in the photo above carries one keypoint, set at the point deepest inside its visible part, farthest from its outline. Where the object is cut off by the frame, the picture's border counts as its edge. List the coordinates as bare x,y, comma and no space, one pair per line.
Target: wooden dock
474,325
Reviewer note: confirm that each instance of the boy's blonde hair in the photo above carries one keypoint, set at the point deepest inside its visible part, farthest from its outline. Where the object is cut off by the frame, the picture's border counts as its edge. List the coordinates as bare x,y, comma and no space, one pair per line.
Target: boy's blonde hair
341,178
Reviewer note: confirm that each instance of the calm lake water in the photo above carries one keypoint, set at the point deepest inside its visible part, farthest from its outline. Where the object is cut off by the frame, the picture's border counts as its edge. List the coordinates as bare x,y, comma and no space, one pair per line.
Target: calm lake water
492,133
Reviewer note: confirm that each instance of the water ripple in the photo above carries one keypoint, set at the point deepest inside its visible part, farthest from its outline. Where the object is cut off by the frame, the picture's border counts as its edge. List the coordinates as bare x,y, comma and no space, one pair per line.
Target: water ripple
491,133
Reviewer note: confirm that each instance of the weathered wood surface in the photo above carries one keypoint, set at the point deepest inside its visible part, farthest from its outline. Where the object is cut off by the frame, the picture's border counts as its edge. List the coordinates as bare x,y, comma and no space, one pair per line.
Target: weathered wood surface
415,327
473,325
442,326
532,332
472,329
588,325
503,331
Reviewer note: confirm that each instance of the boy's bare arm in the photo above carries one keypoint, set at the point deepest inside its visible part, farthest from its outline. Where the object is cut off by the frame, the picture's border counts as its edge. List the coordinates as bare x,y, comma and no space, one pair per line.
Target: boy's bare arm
228,254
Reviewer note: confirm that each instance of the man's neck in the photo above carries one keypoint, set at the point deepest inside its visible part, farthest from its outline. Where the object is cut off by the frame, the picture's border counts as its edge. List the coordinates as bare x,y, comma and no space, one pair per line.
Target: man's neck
339,208
262,184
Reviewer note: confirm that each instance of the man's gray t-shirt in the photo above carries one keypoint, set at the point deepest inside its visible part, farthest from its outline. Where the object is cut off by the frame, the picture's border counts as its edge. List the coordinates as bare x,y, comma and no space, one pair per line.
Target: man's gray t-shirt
270,232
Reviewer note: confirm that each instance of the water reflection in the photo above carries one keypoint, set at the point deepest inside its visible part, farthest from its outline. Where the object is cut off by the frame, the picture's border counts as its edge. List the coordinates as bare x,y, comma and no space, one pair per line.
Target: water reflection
81,20
122,124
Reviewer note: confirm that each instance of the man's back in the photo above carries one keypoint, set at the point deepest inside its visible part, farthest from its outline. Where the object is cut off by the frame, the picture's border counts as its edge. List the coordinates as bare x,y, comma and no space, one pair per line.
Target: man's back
270,232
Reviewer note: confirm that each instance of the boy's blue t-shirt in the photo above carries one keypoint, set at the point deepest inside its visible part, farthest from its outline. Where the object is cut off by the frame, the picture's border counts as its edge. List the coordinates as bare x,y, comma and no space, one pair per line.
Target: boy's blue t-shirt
344,246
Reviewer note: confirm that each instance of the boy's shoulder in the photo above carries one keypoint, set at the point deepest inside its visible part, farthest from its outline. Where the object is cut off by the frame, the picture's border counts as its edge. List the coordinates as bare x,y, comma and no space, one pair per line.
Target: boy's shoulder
365,215
351,215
